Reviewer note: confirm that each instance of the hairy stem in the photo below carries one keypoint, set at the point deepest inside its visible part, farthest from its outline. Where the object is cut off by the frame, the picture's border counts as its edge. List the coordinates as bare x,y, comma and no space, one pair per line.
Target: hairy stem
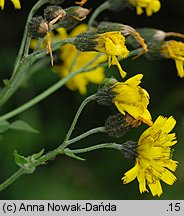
83,104
46,93
39,4
96,147
22,71
38,98
60,150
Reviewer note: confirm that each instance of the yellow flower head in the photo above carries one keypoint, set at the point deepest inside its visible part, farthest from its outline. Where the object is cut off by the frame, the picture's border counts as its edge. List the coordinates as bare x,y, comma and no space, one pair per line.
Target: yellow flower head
69,53
151,6
113,44
16,4
131,98
153,160
175,50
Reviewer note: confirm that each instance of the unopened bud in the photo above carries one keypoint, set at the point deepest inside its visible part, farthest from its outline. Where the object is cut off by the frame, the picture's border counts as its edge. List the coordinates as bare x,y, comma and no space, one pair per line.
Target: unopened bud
54,12
38,27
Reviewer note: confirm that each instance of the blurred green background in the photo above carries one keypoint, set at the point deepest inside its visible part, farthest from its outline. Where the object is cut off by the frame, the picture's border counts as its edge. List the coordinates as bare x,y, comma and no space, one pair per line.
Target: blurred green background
99,177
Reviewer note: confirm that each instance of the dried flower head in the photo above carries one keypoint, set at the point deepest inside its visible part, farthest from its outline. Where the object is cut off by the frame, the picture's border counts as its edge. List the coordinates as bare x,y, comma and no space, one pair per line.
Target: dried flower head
38,27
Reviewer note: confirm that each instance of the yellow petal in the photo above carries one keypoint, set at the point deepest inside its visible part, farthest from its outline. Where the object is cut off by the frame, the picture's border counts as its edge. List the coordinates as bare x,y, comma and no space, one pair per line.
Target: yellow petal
146,118
149,11
169,124
16,4
179,66
78,30
115,61
131,174
142,181
120,108
168,177
2,4
139,10
135,80
156,188
62,33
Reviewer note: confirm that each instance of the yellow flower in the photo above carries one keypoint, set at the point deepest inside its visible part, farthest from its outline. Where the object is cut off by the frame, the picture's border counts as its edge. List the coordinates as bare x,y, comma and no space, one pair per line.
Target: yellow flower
16,4
68,54
175,50
131,98
151,6
113,44
153,160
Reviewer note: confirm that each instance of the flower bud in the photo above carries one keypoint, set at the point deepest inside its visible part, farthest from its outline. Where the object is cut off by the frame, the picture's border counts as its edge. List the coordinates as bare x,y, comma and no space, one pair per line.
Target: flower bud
53,12
38,27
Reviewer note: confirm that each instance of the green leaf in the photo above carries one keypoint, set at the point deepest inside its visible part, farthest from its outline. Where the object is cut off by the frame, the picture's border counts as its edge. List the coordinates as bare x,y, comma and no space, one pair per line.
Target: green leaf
70,154
20,160
4,126
36,155
24,162
21,125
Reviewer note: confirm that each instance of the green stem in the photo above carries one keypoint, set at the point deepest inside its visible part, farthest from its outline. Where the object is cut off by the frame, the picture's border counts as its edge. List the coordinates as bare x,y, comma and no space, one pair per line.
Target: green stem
27,45
74,62
23,171
38,98
82,136
20,75
83,104
30,16
92,148
46,93
11,179
52,154
98,10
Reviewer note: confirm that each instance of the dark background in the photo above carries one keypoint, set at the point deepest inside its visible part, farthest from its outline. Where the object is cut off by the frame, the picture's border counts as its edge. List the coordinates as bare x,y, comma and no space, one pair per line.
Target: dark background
99,177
